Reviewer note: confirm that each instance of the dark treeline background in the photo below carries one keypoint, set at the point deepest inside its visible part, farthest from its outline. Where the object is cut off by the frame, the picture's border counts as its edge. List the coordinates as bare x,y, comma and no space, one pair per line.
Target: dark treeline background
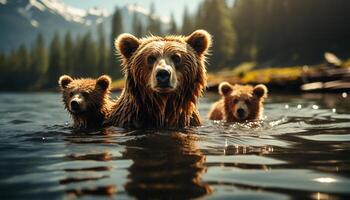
268,32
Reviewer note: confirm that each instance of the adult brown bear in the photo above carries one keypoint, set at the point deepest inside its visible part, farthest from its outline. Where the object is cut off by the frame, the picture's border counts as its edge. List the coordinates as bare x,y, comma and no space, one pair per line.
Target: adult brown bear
164,78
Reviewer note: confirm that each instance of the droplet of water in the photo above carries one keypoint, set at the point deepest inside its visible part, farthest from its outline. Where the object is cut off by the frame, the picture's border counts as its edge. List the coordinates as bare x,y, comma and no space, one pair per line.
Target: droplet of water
299,106
334,110
315,107
286,106
344,95
43,138
66,123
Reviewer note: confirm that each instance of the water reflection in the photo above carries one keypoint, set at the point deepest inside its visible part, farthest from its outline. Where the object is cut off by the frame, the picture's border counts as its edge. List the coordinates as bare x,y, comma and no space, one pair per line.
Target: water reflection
92,166
165,164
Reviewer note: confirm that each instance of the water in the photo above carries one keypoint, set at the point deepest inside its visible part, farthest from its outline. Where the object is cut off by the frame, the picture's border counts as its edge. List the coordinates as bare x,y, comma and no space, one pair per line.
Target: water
300,151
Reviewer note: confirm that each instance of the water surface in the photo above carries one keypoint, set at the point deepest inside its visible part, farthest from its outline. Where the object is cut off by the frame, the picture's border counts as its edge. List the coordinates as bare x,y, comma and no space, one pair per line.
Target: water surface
299,151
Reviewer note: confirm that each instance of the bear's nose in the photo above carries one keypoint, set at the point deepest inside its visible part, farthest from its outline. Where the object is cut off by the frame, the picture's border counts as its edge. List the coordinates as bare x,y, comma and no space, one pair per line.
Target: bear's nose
240,112
163,77
74,105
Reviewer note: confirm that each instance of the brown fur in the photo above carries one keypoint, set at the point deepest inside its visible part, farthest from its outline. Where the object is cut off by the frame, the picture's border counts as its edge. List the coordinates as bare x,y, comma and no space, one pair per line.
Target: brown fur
95,98
252,97
141,107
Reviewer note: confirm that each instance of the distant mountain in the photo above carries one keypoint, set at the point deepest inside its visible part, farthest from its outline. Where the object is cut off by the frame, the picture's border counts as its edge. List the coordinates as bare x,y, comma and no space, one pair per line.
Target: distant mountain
22,20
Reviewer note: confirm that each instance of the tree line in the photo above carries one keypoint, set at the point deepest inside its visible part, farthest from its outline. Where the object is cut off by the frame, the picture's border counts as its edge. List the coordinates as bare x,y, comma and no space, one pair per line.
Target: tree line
268,32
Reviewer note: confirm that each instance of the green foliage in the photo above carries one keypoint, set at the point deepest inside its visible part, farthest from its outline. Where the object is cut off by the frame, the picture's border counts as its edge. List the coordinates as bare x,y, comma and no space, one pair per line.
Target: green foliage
117,28
153,26
173,27
56,64
252,32
215,18
137,26
187,23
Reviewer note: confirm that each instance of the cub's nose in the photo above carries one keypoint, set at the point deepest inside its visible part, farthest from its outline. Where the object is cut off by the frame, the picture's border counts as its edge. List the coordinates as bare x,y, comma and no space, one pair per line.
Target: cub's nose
74,105
240,113
163,77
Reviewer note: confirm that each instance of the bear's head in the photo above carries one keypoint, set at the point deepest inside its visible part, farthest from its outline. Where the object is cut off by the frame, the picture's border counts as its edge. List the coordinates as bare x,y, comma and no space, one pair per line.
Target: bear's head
242,102
84,96
164,65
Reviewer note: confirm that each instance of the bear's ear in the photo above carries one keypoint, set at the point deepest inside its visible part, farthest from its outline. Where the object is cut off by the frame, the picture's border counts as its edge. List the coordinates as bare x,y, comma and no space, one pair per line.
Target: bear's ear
260,91
225,88
103,82
200,41
64,80
126,44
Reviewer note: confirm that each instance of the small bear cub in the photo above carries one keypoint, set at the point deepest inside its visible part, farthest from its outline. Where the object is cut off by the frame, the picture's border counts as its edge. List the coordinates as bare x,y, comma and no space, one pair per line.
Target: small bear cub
239,103
87,100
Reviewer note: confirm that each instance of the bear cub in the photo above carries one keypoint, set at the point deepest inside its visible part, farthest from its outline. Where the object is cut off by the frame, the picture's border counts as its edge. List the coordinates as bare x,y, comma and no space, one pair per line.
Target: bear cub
87,100
239,103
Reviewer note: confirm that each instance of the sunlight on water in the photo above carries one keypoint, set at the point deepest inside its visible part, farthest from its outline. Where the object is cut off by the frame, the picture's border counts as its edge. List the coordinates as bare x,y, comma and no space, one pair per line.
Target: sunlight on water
300,150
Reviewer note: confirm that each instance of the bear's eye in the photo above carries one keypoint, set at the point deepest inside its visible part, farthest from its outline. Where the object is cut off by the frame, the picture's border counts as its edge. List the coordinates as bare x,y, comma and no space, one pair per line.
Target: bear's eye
176,58
85,94
71,94
247,102
151,59
235,101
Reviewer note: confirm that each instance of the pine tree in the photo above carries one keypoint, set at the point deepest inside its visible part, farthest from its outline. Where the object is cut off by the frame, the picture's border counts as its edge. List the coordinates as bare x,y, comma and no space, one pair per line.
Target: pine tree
117,28
137,27
39,56
173,26
218,23
154,24
102,51
88,56
55,61
68,54
187,23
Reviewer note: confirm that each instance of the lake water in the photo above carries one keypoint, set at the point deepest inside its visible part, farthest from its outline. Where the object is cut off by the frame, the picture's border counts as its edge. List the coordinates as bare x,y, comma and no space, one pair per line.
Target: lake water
300,151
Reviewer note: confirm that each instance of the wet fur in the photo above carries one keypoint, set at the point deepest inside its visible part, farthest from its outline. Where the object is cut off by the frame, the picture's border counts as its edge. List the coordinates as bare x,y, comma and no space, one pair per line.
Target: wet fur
140,107
222,109
99,104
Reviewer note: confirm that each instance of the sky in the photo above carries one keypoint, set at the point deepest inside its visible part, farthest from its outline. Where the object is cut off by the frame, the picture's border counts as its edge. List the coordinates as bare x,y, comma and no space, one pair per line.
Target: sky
163,7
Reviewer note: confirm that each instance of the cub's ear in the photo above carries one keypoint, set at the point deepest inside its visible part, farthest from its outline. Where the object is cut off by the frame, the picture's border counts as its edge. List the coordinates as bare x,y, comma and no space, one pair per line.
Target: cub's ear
64,80
200,41
103,82
260,91
126,44
225,88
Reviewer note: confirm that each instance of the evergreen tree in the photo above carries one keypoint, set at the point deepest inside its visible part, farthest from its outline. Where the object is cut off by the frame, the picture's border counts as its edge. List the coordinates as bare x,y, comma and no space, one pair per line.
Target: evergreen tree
154,24
68,54
117,28
187,23
137,27
39,55
102,51
218,23
88,56
55,61
173,27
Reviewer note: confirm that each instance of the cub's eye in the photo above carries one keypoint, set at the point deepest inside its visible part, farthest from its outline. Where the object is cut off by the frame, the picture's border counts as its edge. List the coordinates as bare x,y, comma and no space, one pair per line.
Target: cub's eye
71,94
151,59
85,94
176,58
235,101
247,102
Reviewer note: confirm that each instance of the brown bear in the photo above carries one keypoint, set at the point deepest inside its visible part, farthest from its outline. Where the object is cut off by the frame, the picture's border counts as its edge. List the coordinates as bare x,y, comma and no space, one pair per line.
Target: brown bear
164,78
87,100
239,103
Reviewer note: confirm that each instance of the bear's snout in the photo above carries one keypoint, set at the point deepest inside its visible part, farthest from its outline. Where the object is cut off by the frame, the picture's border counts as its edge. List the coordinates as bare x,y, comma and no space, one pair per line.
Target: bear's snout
163,78
241,113
74,106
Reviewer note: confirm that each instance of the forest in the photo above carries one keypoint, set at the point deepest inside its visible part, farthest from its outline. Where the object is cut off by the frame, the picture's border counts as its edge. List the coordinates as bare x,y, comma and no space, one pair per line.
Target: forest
270,33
